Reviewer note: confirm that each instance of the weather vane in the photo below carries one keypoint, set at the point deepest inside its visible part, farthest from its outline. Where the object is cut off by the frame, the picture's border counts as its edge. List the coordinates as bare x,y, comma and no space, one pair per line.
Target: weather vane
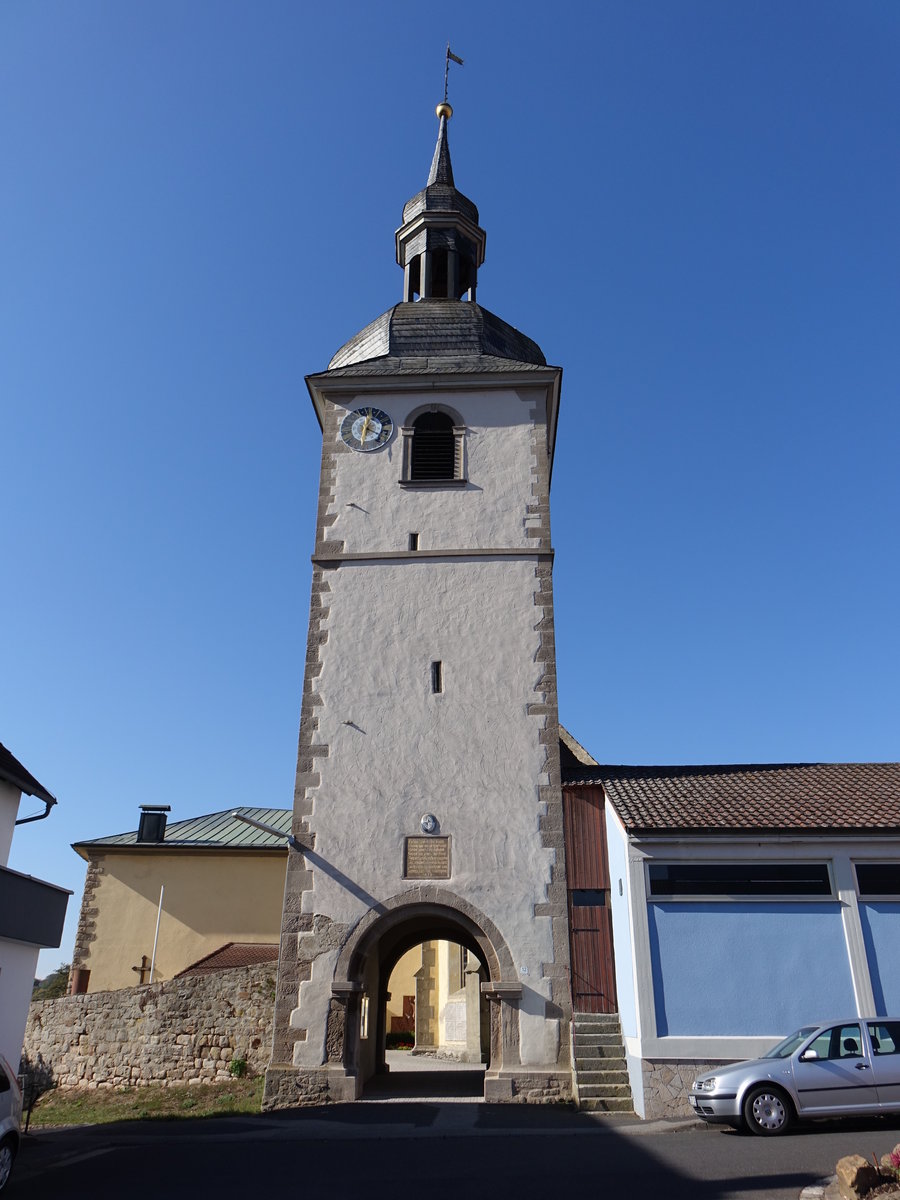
444,109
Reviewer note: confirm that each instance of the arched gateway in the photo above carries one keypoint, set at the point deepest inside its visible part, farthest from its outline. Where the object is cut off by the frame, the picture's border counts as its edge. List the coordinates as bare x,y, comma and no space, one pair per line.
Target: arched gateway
375,946
428,801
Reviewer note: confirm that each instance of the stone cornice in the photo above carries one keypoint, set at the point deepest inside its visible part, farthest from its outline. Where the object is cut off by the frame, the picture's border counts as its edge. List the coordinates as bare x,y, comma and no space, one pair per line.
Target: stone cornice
331,560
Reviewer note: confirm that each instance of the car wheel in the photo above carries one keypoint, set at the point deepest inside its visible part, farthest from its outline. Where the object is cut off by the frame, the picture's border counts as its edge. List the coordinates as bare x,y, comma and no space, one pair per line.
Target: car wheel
7,1154
767,1111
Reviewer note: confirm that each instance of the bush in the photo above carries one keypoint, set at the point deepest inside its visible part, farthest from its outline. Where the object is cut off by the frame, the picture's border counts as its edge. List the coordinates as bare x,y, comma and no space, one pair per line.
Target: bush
399,1041
237,1068
53,986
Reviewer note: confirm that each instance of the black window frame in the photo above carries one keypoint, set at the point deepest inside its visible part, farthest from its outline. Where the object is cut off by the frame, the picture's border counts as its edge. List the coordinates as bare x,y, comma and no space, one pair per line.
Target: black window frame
739,879
872,876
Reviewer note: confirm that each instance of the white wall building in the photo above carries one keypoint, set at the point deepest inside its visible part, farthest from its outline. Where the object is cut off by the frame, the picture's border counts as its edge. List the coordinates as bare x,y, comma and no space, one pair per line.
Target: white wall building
31,911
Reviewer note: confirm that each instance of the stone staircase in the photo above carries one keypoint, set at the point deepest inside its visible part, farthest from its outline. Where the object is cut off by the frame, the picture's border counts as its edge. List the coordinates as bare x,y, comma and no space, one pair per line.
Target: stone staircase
601,1076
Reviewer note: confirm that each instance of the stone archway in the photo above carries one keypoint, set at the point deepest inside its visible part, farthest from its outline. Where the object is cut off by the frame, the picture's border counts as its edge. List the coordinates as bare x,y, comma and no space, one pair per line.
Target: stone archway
431,995
363,966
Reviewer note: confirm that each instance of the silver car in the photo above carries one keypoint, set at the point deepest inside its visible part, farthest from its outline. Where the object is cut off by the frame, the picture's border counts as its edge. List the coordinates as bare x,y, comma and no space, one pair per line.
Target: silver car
10,1120
841,1069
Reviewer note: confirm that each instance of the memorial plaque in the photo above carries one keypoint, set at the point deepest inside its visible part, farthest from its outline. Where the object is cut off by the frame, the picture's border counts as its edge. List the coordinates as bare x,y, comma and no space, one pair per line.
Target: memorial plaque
427,858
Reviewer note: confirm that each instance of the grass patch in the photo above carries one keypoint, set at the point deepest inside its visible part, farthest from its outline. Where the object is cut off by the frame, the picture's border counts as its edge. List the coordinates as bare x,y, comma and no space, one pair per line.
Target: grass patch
100,1106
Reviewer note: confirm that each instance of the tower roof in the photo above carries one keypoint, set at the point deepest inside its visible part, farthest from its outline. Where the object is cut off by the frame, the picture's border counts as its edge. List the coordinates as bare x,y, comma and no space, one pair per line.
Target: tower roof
451,334
440,244
438,326
441,167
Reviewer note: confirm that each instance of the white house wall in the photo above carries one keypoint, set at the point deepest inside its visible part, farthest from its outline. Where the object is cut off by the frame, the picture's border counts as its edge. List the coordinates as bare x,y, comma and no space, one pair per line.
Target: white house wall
18,963
617,851
623,940
9,807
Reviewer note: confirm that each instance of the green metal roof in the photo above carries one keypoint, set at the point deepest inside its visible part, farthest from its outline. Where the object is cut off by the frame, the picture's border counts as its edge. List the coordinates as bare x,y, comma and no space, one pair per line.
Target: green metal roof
217,830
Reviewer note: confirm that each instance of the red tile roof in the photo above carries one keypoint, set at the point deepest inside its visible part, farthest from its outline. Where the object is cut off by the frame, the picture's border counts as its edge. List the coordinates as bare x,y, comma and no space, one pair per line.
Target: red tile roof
233,954
775,797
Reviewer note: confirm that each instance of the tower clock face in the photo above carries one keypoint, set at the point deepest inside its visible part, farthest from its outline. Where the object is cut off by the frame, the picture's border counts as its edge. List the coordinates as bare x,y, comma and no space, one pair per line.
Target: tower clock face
366,429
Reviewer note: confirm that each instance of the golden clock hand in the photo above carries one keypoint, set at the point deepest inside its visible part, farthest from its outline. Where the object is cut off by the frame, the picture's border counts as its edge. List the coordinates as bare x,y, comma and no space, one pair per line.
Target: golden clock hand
365,428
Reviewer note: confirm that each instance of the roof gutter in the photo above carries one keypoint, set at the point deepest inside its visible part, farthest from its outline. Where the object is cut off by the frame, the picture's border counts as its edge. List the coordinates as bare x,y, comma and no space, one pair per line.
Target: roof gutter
48,804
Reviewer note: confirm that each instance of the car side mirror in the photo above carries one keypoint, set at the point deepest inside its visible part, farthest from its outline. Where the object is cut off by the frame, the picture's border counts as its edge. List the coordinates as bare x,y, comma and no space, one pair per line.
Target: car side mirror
808,1056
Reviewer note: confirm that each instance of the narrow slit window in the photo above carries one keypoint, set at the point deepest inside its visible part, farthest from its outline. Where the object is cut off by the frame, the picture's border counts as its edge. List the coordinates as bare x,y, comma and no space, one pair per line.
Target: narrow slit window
437,677
413,541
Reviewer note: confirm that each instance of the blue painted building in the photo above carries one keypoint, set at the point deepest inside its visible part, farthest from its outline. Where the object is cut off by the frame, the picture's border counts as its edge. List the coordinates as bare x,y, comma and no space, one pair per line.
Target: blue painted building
744,902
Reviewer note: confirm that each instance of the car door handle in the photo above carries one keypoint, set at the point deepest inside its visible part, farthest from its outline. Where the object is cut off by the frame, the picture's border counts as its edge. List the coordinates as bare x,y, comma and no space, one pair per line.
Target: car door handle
862,1066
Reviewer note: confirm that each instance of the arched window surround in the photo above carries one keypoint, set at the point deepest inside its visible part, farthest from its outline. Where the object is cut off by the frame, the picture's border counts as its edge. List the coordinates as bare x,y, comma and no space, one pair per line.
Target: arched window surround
458,479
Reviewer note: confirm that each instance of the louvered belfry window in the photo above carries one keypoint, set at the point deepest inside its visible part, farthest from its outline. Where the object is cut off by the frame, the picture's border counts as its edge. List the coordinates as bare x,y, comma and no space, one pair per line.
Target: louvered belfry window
433,447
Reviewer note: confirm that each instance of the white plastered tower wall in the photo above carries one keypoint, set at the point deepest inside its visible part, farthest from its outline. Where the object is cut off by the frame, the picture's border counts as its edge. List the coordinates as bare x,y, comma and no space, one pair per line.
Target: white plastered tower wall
408,573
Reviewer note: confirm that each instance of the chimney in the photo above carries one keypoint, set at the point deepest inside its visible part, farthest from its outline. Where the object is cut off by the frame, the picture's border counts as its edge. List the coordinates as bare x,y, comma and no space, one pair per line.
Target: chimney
152,827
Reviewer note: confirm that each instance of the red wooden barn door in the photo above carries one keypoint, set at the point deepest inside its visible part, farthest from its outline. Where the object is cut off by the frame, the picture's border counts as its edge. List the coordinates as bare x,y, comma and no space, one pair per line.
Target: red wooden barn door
590,916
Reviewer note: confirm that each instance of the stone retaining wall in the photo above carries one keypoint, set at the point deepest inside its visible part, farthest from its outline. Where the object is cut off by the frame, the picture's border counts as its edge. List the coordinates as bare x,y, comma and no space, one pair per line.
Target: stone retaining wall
667,1084
180,1031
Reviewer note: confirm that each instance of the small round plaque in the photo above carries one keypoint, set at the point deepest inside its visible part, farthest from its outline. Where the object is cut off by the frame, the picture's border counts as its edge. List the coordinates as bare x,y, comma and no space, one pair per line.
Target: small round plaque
429,823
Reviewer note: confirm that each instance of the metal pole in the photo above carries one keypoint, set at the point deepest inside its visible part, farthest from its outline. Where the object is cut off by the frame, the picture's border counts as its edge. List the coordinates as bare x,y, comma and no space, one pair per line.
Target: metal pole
288,837
156,935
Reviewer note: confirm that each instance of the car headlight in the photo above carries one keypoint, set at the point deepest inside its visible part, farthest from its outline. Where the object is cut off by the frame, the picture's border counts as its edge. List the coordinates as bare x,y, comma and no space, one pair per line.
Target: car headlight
705,1085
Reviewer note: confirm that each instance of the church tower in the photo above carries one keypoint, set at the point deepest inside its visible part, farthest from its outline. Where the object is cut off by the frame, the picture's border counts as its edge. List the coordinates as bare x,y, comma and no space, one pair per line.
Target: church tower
427,802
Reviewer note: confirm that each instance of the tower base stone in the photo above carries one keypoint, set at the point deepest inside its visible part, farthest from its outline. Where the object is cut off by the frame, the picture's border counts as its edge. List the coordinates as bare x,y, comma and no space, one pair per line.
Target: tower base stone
528,1087
299,1087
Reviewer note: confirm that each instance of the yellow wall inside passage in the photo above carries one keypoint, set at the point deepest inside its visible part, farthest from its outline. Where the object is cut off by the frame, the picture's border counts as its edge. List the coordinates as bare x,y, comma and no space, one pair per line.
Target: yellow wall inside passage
402,983
209,899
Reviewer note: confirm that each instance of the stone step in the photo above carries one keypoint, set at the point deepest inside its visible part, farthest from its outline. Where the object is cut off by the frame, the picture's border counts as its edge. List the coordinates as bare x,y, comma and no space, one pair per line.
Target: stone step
592,1105
610,1091
600,1068
599,1062
590,1040
603,1078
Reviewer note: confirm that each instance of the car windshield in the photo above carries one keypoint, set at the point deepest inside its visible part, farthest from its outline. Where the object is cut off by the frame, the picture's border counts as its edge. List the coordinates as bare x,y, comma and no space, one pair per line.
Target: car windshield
792,1042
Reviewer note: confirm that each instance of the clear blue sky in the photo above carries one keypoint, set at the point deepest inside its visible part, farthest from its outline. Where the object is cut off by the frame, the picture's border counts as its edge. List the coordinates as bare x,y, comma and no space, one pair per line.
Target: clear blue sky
692,207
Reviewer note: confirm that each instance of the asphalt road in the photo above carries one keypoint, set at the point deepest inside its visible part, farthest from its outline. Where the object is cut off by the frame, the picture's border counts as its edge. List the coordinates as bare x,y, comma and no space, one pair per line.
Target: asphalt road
452,1150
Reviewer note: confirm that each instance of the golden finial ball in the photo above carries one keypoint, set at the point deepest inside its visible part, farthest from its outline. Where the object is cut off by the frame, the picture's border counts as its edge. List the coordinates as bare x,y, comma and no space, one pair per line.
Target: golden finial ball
444,110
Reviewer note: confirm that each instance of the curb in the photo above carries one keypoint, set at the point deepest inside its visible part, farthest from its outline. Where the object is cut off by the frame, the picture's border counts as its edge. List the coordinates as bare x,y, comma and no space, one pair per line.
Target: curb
825,1189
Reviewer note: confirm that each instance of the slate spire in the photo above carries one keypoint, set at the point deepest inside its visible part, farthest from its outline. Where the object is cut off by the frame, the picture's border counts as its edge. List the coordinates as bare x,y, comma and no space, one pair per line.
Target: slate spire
440,244
441,167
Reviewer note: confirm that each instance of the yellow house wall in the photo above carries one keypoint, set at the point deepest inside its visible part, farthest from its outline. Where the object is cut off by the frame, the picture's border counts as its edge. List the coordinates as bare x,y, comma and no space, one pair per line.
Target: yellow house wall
209,899
402,983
